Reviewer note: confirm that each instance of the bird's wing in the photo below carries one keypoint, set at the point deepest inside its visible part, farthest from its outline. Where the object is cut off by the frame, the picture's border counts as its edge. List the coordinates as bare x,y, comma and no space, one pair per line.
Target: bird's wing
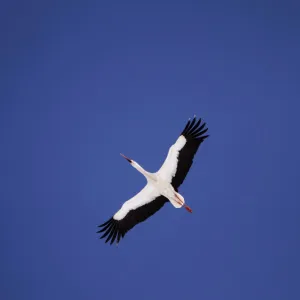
181,154
136,210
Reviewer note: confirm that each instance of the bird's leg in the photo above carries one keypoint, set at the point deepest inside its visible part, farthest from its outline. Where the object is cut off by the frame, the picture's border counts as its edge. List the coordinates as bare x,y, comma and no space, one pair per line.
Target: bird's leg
180,202
187,208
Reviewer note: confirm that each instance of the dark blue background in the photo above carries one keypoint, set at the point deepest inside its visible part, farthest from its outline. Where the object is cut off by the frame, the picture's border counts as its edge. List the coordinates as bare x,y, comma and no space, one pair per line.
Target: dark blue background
82,81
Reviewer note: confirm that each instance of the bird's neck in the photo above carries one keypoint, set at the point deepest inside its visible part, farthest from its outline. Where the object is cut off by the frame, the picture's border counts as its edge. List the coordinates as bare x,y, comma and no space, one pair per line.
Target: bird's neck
149,176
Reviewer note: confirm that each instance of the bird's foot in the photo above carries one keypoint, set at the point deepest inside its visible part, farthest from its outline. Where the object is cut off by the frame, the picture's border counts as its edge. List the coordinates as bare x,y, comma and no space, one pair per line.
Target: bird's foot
187,208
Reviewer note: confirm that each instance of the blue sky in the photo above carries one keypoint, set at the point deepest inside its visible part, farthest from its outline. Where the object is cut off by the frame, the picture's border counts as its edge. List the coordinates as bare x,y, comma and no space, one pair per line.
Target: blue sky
82,81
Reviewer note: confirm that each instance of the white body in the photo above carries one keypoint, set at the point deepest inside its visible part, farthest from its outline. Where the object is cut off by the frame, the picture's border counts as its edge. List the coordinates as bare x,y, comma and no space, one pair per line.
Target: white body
155,187
158,183
167,190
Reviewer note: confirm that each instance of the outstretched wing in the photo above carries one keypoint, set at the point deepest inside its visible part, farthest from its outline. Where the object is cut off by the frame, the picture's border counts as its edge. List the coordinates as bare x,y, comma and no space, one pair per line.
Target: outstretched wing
181,154
136,210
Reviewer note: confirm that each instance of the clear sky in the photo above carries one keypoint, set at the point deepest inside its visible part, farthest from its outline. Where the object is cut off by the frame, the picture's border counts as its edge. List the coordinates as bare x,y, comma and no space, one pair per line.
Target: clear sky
82,81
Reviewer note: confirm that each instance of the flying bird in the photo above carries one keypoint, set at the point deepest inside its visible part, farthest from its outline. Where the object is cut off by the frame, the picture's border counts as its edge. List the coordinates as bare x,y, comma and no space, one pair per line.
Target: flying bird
161,187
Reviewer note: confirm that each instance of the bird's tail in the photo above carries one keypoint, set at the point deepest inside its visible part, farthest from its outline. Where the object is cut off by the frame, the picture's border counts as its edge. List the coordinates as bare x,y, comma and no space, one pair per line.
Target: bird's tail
177,200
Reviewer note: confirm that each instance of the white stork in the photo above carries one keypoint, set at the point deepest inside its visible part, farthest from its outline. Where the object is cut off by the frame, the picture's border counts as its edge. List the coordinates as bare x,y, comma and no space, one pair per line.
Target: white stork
161,186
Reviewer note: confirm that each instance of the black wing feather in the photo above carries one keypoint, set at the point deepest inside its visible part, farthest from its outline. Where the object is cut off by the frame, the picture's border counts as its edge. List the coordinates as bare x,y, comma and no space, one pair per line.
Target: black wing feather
115,235
194,137
111,232
107,231
118,228
105,228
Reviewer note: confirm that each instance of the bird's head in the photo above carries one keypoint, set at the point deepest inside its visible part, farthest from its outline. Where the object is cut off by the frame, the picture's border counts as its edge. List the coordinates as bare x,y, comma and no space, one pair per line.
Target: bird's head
128,159
132,162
